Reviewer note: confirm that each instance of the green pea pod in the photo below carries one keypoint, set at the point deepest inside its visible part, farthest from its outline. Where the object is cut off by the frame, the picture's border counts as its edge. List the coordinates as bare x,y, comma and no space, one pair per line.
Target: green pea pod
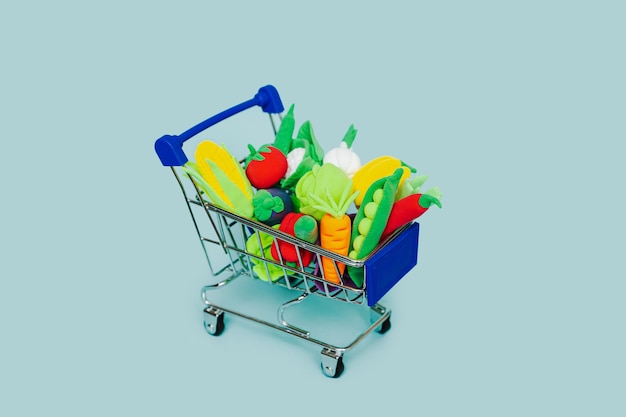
371,219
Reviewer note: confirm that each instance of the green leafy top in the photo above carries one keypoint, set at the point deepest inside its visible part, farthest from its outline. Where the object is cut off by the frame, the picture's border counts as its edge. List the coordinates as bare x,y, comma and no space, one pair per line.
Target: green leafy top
306,139
336,208
255,155
413,186
325,189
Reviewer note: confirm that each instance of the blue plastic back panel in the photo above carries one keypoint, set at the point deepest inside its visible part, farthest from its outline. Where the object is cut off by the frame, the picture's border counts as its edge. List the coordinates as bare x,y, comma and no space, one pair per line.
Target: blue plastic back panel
390,264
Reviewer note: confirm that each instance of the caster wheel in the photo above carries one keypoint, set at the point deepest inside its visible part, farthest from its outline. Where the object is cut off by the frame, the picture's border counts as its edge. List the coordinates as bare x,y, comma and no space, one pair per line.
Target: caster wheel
332,365
213,322
384,326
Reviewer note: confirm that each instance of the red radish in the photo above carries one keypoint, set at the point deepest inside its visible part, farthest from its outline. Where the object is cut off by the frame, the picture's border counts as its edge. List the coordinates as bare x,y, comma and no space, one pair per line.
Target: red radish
265,167
406,210
301,226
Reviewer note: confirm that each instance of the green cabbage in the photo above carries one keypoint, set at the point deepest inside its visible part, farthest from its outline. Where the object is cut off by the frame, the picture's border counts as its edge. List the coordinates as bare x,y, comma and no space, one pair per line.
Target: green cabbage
326,184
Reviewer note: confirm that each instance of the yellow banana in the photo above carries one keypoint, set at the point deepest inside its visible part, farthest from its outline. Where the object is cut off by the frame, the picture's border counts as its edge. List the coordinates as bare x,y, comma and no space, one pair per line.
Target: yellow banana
375,169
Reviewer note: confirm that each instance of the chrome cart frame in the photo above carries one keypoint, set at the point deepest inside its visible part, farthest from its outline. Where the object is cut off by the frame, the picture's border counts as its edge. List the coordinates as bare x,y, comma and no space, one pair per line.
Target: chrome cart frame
224,237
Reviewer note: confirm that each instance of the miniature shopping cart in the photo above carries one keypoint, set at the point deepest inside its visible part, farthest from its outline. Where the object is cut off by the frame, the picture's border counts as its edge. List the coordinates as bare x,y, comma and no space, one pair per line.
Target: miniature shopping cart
224,235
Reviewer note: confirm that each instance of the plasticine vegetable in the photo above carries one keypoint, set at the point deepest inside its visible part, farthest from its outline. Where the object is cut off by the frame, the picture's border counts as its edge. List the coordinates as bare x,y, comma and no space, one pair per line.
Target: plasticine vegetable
327,182
221,178
304,164
271,205
290,182
264,270
335,229
371,219
294,159
305,154
302,152
265,167
301,226
305,138
284,134
343,156
411,186
406,210
375,169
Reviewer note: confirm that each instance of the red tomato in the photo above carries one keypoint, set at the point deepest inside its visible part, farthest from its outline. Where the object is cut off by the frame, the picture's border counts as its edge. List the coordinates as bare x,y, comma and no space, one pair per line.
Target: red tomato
265,167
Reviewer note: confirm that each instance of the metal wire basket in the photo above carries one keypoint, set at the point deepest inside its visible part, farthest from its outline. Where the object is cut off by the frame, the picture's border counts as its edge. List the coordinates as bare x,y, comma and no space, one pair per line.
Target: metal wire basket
227,240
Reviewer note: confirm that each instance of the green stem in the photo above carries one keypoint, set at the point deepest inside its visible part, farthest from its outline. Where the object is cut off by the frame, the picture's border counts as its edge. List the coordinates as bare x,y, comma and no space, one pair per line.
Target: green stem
413,170
427,200
350,136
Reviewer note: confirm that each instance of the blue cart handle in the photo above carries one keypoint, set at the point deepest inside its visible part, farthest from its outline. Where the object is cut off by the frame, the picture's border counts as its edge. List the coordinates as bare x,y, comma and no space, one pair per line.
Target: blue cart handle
170,147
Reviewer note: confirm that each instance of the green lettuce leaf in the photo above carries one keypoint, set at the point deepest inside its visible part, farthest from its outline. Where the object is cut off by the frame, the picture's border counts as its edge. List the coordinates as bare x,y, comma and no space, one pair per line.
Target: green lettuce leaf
324,189
315,151
305,166
261,268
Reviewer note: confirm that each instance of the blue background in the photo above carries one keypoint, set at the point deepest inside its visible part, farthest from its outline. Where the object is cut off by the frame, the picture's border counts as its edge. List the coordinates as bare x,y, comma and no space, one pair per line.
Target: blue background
514,109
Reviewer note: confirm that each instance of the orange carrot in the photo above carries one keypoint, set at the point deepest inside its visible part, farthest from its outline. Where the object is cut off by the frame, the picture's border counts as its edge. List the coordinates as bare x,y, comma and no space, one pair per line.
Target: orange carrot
335,235
335,229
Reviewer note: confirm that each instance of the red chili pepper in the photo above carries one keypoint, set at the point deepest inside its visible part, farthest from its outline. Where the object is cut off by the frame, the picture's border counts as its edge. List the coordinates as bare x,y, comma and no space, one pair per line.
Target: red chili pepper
301,226
406,210
265,167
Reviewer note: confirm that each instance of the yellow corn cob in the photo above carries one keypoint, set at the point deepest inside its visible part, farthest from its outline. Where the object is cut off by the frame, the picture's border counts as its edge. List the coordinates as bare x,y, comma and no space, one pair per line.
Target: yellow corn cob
375,169
211,158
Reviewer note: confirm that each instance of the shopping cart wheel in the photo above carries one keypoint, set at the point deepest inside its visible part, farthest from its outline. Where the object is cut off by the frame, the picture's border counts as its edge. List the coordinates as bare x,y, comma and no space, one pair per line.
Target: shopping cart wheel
384,326
213,321
332,363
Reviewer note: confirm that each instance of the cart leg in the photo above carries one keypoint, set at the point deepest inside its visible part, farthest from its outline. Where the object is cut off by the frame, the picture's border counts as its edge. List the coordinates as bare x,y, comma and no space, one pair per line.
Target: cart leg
385,326
332,363
281,311
213,321
378,312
